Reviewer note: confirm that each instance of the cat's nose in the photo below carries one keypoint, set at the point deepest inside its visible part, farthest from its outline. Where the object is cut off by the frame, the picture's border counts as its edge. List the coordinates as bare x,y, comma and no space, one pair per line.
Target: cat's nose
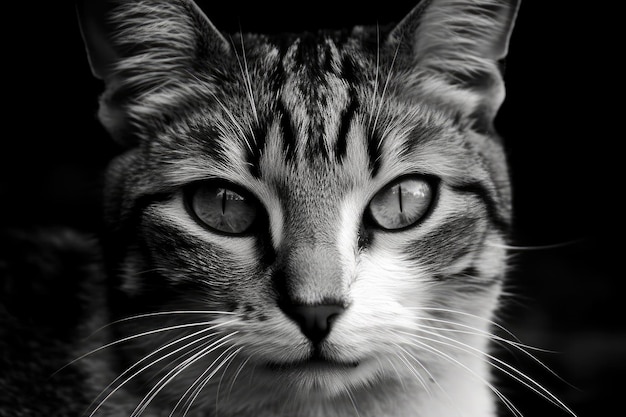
315,320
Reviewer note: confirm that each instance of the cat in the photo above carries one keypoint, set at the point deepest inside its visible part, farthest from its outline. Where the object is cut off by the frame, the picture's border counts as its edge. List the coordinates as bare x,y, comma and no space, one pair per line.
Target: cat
300,225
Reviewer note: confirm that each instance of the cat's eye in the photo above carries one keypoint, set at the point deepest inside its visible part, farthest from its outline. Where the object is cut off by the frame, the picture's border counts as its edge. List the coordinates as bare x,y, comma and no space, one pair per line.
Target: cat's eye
223,208
402,203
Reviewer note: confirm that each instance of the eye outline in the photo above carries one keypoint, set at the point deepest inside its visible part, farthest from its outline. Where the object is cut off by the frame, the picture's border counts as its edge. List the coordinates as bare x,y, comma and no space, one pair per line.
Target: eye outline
433,182
190,190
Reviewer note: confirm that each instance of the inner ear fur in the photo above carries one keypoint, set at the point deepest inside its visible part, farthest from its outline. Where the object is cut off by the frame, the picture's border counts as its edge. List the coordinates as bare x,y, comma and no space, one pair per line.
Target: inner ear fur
140,48
459,45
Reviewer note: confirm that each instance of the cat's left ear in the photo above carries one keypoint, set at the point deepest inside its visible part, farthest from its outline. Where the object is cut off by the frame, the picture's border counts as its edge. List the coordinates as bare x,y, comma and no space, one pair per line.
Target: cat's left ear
458,47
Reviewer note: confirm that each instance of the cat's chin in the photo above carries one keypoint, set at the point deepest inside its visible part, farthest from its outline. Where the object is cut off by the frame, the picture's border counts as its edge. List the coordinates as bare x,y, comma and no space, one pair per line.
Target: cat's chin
318,376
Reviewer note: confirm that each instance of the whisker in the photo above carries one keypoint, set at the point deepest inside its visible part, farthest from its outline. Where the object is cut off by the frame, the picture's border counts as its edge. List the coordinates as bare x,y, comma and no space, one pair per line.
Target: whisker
136,364
389,127
412,369
239,370
165,380
479,332
466,314
506,343
246,75
249,93
499,364
431,377
192,356
369,122
219,384
161,313
382,97
536,247
393,366
233,121
449,358
136,336
351,398
205,380
191,388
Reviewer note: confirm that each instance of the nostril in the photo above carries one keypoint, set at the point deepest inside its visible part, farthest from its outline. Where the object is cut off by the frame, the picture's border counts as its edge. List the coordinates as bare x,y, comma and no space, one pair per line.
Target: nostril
315,320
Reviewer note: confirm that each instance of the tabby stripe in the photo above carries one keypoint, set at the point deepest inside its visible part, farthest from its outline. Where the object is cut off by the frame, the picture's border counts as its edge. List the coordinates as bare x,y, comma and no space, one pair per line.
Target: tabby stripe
254,155
373,152
479,190
316,146
206,138
344,128
445,244
286,125
348,70
124,233
471,275
471,280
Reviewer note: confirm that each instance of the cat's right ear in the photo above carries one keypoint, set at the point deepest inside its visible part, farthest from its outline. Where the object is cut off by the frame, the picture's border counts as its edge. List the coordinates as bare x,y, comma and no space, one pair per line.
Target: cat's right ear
142,50
107,30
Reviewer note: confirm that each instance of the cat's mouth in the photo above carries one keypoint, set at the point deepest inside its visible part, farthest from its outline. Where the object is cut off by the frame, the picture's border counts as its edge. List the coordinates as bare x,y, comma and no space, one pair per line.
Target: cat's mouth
315,362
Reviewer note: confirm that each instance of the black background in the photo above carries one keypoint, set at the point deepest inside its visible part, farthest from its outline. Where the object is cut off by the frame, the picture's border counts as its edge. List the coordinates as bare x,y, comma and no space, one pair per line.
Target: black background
560,121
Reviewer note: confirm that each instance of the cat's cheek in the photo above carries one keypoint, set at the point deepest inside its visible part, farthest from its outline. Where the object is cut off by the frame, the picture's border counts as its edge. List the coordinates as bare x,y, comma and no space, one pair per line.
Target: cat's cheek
385,277
181,252
382,296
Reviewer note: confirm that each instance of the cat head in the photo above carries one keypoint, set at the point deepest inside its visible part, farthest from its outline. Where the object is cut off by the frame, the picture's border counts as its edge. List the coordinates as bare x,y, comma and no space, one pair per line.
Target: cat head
328,193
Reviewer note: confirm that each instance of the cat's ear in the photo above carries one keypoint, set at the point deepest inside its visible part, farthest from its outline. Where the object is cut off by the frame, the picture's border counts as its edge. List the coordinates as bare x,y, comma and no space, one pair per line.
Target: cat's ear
140,47
158,31
458,47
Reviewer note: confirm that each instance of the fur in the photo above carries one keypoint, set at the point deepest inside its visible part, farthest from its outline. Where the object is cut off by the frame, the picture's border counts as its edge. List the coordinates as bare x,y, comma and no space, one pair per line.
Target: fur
195,321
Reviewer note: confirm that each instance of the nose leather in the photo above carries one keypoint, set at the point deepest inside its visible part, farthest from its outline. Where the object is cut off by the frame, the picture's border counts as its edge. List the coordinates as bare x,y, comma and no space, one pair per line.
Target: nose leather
315,320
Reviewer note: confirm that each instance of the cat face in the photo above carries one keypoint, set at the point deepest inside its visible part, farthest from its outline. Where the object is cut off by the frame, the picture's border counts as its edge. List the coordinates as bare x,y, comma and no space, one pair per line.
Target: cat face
310,218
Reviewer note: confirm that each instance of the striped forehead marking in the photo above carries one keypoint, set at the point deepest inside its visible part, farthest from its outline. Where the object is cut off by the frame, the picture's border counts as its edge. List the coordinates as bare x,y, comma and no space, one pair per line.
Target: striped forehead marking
319,84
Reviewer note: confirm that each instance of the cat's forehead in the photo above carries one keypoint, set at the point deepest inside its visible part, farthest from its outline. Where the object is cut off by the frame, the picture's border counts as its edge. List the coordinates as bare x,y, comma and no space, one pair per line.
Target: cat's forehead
310,102
316,112
314,93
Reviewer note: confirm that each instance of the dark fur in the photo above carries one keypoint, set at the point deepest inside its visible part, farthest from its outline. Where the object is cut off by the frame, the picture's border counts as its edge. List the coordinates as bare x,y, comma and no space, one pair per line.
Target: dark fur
51,283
